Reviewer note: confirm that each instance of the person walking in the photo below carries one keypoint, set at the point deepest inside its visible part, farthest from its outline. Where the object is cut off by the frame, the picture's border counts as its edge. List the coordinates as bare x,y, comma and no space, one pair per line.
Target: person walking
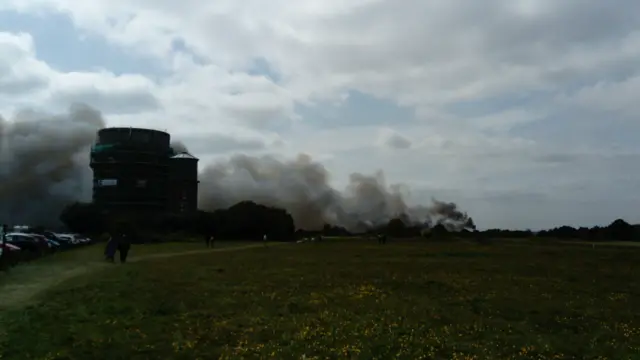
3,252
207,240
264,240
111,248
382,238
211,241
124,245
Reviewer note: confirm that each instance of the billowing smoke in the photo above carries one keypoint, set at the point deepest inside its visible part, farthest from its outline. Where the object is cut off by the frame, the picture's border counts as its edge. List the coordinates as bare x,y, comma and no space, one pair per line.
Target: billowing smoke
178,147
448,214
44,163
301,186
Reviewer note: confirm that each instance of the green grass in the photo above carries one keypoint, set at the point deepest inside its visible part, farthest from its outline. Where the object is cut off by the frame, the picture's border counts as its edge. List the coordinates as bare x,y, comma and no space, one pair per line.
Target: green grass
70,259
22,284
344,299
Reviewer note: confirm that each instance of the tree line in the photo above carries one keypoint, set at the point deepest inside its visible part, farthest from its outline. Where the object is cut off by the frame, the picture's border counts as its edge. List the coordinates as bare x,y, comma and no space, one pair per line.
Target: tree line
250,221
243,221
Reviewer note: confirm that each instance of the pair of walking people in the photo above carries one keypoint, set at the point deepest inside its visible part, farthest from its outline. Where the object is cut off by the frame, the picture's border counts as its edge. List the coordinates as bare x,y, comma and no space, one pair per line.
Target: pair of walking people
120,242
382,239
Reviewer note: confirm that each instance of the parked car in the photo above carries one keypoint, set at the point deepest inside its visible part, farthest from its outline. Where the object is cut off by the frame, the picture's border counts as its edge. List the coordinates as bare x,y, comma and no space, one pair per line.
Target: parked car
43,241
83,239
67,239
25,242
53,243
10,247
11,253
76,239
31,247
63,243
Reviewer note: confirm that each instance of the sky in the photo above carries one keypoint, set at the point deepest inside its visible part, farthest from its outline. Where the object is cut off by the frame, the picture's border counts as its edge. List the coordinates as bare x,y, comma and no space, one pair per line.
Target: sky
524,112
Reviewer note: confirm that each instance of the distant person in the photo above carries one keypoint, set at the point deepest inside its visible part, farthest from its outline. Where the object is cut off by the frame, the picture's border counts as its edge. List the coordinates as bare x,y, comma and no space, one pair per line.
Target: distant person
3,251
110,249
124,245
382,239
207,240
211,241
264,240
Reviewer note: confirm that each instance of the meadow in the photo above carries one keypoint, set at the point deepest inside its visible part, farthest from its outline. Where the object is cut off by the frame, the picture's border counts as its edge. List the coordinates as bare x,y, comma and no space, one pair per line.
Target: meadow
342,299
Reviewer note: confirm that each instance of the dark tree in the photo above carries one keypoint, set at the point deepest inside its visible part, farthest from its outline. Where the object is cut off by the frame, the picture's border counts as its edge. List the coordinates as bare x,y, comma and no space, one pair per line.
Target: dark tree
330,230
439,231
396,228
250,221
620,230
83,218
470,225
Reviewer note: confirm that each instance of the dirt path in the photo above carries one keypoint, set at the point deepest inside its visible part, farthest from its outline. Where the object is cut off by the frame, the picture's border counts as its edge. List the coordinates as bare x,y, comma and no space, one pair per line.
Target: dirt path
22,293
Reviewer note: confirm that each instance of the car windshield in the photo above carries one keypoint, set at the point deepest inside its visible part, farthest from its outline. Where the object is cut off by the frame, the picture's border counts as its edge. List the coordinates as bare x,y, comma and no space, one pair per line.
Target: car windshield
16,237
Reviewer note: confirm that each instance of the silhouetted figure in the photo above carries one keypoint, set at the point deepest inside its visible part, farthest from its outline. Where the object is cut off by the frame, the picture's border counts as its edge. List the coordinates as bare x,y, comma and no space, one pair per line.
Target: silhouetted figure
382,239
124,244
264,239
111,248
211,241
3,251
207,240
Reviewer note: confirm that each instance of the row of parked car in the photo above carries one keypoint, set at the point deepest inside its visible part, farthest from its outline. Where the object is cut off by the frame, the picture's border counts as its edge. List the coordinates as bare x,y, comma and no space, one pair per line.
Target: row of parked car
23,245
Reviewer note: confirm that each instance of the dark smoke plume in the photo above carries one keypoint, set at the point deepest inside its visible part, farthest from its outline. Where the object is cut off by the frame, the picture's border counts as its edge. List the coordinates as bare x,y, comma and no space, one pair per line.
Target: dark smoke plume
301,186
178,147
44,163
448,214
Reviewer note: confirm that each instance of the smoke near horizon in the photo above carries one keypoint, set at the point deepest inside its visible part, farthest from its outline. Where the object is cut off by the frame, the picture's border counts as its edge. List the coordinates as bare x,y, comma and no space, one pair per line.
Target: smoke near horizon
44,165
178,146
301,186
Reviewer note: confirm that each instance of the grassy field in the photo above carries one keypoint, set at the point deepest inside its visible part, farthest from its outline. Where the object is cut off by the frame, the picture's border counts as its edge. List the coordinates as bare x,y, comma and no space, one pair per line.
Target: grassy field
83,256
22,283
343,299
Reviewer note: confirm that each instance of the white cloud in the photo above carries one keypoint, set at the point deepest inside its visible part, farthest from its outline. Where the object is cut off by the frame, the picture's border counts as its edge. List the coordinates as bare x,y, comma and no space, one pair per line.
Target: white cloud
419,53
513,64
257,108
35,83
617,97
20,72
112,94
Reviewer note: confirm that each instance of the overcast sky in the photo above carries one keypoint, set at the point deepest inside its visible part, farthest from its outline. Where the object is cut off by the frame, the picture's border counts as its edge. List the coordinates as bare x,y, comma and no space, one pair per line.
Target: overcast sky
524,112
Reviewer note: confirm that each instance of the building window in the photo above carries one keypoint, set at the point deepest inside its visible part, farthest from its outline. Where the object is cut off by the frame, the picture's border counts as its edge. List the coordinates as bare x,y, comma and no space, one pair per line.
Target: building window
107,182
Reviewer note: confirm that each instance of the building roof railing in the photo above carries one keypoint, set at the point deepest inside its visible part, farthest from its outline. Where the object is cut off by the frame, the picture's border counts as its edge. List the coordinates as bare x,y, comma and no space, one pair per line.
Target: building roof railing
184,155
